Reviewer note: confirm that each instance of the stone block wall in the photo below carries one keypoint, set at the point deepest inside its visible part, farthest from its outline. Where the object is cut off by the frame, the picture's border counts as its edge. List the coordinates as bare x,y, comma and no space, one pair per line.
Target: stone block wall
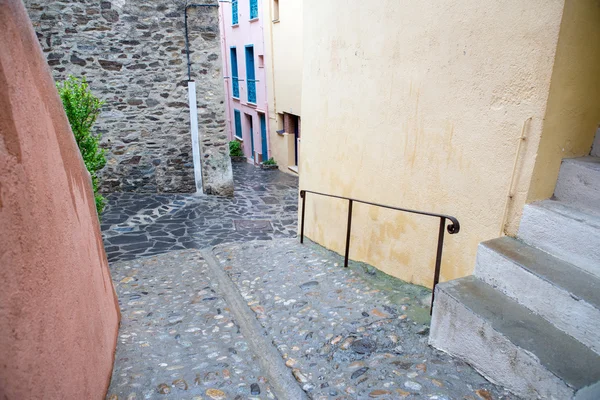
133,55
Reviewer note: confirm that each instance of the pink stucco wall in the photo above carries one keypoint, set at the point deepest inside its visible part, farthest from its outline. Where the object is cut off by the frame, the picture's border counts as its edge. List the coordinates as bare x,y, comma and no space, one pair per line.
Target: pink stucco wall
58,311
245,33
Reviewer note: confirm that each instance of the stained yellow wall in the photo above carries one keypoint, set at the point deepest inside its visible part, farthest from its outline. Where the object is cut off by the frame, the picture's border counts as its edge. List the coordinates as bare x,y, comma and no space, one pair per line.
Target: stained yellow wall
284,42
573,113
421,106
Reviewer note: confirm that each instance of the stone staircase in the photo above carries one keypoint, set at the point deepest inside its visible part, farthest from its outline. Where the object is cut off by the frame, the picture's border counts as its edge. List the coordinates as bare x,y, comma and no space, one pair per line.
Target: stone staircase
529,317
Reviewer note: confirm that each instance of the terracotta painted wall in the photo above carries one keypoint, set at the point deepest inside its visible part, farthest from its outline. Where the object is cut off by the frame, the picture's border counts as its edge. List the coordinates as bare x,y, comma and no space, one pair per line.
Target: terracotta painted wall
58,311
422,107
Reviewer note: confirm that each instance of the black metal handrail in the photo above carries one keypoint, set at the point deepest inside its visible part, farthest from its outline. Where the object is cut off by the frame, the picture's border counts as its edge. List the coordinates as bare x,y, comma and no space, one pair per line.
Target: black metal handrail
453,227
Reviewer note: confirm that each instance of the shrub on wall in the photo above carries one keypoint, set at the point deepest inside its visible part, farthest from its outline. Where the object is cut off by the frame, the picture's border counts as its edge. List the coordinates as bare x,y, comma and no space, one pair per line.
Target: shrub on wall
82,109
235,149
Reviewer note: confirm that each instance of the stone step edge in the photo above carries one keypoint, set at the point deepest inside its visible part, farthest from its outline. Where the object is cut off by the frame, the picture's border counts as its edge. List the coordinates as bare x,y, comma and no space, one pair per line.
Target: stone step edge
591,279
590,162
571,313
520,354
578,183
557,228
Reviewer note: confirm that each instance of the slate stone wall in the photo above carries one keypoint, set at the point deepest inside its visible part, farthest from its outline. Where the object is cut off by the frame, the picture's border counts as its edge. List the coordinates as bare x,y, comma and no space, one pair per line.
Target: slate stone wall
133,55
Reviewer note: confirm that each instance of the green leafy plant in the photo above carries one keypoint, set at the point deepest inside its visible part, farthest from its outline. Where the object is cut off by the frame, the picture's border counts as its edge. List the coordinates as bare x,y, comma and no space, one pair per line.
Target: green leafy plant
82,109
270,161
235,149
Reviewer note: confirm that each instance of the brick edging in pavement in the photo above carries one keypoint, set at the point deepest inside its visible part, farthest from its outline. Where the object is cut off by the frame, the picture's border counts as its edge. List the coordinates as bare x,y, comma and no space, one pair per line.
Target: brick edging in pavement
280,377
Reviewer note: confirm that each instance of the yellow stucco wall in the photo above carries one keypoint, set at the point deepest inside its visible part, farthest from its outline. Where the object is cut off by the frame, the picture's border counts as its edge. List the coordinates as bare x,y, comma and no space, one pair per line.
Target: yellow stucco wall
283,40
421,106
573,112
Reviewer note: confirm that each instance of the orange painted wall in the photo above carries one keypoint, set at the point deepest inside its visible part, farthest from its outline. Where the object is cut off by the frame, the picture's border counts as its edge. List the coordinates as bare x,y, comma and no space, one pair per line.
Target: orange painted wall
58,310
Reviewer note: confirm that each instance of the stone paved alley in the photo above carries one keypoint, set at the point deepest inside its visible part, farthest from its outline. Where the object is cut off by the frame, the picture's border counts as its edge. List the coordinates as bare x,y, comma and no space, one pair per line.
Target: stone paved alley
265,206
338,333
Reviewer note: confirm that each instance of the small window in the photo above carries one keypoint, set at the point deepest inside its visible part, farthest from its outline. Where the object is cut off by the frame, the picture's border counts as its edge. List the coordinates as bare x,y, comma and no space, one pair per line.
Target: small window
275,10
234,12
253,9
291,124
280,129
261,61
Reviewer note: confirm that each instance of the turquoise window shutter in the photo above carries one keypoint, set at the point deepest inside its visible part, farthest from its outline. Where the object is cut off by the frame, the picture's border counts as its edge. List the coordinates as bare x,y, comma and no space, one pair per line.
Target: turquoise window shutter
263,136
238,123
253,9
235,81
234,12
250,74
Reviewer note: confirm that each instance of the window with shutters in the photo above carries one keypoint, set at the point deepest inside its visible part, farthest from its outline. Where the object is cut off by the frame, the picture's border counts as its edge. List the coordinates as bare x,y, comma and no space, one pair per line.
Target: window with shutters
253,9
238,123
250,74
234,12
235,81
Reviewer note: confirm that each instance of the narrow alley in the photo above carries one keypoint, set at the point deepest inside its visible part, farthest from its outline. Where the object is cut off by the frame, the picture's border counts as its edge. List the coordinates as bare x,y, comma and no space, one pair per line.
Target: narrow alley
212,312
299,200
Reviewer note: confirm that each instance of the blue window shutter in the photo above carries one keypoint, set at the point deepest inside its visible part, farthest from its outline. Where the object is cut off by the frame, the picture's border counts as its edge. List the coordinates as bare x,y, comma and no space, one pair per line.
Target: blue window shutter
263,137
250,74
234,12
253,9
238,123
235,82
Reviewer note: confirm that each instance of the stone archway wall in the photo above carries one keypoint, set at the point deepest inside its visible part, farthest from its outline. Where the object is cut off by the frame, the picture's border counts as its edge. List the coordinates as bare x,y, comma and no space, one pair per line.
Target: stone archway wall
133,55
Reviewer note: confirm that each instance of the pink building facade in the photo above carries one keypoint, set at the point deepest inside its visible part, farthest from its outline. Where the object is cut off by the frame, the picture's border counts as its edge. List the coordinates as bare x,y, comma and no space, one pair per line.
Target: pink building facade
242,41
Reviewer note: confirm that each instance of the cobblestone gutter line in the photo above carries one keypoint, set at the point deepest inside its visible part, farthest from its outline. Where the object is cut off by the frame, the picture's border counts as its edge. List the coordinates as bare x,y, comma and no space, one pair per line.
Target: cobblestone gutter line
284,384
179,339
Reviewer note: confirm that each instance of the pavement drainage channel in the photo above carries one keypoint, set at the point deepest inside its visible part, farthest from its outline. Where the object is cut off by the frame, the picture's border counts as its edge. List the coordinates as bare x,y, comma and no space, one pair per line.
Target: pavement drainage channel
253,225
179,338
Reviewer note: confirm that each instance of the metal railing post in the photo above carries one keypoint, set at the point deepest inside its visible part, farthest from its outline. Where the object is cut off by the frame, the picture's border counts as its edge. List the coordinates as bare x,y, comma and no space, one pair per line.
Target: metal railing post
438,260
348,227
303,195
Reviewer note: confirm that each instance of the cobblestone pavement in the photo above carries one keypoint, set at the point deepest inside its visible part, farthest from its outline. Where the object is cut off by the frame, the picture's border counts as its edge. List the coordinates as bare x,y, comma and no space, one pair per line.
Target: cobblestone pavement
351,333
177,338
265,206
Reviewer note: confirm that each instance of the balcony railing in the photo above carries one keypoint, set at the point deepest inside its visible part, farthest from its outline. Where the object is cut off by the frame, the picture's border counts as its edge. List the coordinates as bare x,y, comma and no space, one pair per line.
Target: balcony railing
453,227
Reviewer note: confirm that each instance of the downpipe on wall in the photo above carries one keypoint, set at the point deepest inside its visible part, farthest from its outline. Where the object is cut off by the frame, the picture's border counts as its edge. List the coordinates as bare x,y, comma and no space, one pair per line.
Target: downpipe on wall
193,105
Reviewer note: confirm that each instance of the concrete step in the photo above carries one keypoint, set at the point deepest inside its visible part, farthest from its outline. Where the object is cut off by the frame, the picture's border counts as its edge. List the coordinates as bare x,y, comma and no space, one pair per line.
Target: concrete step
511,345
579,182
561,293
567,232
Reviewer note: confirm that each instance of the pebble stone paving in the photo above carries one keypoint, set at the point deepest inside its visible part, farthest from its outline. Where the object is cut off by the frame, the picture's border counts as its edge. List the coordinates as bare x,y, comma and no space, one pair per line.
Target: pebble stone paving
264,206
352,333
344,333
177,338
